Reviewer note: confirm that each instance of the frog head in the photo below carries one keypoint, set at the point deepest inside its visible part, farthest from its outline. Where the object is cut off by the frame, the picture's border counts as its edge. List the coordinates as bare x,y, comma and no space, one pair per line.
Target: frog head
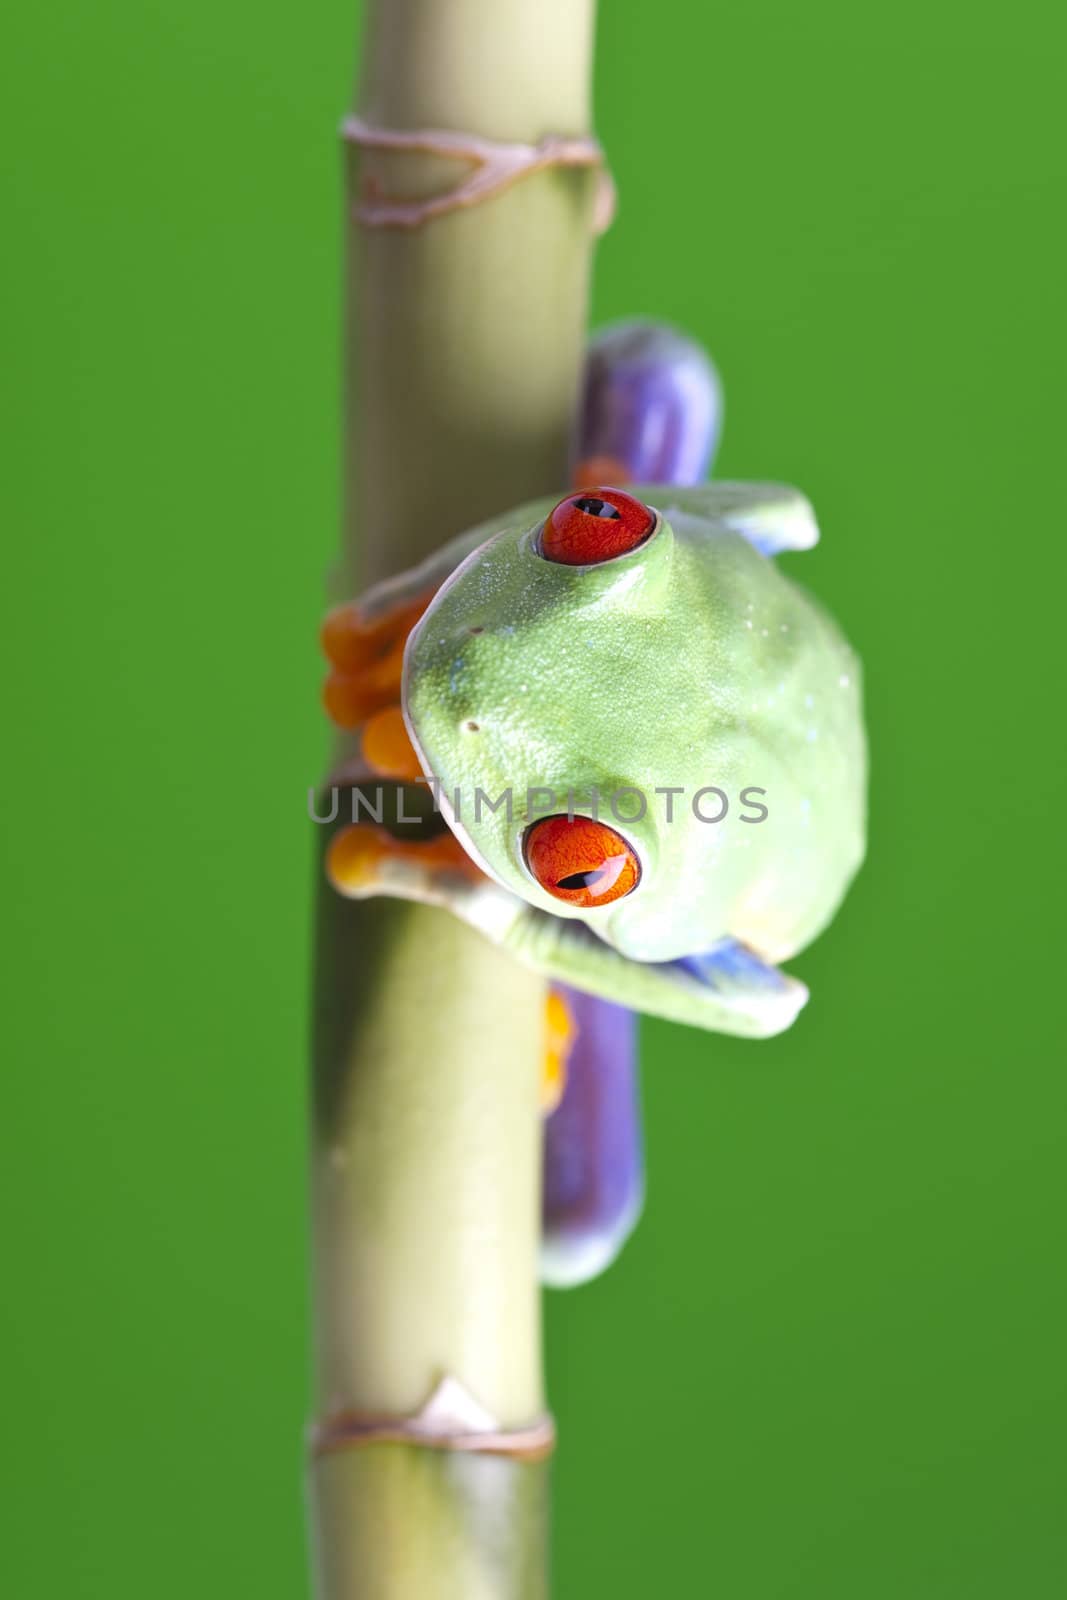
541,693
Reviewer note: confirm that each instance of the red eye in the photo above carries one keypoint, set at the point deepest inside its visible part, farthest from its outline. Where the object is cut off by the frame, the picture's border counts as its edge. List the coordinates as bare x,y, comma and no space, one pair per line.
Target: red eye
595,525
583,862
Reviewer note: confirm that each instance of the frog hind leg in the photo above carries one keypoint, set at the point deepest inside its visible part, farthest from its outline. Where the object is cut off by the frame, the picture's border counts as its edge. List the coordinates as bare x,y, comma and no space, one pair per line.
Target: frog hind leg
593,1149
652,412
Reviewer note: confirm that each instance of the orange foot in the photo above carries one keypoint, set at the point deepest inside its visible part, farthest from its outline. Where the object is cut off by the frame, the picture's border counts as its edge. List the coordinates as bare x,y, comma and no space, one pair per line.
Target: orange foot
363,690
367,657
363,859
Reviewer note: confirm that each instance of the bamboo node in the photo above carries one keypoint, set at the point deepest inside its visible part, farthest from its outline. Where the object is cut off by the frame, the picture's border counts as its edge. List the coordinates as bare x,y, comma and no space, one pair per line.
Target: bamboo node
495,165
451,1419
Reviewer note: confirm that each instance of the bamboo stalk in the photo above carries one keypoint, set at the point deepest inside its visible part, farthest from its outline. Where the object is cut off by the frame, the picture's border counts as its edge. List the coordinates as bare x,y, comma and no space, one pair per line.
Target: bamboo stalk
463,346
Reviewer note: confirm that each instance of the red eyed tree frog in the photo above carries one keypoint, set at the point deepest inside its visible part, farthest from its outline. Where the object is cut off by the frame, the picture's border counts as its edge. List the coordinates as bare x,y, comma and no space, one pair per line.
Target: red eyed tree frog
646,740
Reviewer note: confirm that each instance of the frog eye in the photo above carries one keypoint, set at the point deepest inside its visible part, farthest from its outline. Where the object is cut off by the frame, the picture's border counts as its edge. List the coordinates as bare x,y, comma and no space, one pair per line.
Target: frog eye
595,525
580,861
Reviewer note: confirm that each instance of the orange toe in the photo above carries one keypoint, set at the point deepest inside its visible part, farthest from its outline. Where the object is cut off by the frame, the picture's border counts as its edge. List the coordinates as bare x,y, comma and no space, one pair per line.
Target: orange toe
351,697
356,853
350,640
387,749
595,470
353,856
368,662
345,640
560,1034
348,700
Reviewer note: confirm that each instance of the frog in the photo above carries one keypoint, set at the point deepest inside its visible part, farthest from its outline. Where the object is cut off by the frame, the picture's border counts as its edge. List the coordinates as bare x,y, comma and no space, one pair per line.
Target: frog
645,738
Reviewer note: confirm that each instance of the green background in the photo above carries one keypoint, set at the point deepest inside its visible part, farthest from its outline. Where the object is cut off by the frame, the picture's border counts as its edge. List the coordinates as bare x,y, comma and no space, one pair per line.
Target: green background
831,1363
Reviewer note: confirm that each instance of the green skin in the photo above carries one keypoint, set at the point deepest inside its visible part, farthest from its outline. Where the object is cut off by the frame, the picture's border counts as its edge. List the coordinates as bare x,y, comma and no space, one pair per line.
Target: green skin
689,662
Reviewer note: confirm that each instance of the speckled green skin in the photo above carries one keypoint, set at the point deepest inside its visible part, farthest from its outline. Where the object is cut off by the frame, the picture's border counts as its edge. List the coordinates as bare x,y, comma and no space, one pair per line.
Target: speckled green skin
690,662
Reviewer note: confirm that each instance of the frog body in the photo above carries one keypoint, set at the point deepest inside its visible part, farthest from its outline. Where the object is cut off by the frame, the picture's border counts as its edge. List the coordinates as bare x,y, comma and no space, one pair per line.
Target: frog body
688,680
680,675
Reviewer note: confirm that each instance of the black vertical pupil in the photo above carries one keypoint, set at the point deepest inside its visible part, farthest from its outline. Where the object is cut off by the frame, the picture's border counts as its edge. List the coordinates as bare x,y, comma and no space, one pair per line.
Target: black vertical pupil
594,507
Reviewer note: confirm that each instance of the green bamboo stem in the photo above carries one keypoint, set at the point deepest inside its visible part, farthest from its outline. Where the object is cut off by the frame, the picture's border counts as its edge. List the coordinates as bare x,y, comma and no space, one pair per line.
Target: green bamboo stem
463,348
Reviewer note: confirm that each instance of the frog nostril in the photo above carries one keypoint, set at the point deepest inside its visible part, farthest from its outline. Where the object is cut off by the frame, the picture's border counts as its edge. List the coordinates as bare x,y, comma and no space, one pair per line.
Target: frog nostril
472,727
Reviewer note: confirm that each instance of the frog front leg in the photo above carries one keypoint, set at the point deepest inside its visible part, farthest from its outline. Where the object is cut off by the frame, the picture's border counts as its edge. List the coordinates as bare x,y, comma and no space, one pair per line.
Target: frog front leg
364,643
365,650
729,989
